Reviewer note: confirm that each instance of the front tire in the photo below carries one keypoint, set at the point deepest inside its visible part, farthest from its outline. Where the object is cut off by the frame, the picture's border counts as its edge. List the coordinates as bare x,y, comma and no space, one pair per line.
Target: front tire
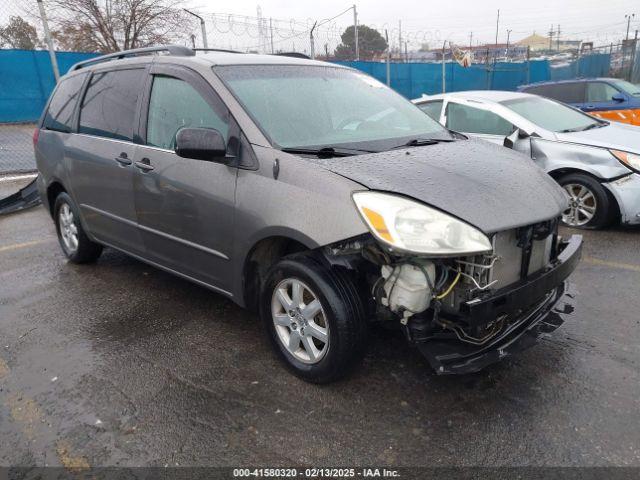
314,318
590,206
74,241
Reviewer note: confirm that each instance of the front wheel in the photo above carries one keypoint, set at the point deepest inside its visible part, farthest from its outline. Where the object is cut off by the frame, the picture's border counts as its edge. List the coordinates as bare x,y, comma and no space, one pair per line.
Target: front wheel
314,318
590,206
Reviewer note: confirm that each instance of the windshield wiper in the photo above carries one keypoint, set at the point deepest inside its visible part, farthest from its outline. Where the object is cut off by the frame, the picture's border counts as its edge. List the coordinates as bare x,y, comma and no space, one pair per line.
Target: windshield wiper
419,142
326,152
587,127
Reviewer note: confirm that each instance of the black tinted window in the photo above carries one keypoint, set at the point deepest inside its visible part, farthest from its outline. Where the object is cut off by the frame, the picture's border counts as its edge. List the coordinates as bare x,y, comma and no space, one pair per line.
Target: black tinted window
563,92
109,105
59,115
432,109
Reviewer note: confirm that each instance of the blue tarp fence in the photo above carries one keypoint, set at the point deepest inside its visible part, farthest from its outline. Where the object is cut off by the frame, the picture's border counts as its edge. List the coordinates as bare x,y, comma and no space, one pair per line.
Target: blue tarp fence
414,79
26,80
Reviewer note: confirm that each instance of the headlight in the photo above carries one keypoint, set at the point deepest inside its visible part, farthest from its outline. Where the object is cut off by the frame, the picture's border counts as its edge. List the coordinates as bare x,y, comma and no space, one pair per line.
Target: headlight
410,226
631,160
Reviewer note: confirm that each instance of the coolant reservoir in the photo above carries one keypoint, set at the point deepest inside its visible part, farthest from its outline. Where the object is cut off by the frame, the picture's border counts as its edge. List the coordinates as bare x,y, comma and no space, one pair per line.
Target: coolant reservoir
407,289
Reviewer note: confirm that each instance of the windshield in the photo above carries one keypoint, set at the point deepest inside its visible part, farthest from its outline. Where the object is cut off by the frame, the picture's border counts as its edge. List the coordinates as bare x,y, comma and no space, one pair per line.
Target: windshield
551,115
627,87
323,106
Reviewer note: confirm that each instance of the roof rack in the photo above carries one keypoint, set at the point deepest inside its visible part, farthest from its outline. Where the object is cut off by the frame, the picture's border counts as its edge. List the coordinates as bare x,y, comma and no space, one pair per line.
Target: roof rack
177,50
215,50
293,55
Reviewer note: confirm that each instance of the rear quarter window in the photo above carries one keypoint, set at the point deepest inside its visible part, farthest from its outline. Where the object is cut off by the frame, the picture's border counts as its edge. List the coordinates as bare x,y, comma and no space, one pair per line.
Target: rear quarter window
109,105
59,115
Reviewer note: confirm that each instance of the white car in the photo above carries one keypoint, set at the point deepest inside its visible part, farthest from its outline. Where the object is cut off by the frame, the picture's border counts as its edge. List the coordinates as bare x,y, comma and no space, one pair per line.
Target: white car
596,162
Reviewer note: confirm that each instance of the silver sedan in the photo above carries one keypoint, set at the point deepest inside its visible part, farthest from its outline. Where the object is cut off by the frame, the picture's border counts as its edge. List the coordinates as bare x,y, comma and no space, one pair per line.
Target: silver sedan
596,162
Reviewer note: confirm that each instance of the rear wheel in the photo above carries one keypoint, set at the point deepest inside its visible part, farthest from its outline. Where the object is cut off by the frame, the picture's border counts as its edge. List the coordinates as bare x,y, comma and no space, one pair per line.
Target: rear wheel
74,241
590,206
314,318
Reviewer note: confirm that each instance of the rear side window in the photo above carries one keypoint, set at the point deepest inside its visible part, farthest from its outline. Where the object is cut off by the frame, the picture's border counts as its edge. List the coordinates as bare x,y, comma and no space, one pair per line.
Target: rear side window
563,92
432,109
174,104
600,92
109,106
463,118
59,115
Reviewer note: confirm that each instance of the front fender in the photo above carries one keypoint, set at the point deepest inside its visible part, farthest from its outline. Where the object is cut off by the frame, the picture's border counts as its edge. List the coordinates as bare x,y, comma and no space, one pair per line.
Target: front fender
553,156
303,202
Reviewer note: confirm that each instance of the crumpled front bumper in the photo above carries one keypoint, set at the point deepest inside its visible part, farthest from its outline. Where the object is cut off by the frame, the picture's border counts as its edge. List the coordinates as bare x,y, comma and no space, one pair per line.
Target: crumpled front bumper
538,305
626,191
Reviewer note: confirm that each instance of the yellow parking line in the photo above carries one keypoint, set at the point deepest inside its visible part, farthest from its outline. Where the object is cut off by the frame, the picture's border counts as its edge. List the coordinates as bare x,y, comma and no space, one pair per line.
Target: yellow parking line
17,246
617,265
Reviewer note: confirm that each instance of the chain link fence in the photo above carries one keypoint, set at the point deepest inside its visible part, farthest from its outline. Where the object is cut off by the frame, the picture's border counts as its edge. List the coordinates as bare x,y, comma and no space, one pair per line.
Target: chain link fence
412,62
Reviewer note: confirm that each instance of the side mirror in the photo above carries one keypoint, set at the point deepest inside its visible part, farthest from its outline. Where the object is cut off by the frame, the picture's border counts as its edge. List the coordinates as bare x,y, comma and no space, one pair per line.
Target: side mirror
201,144
517,134
618,97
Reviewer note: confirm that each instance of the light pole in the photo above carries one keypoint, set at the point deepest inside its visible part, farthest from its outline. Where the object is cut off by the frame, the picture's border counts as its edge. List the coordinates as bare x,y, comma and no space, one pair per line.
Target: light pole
355,31
508,35
202,27
313,47
629,17
47,36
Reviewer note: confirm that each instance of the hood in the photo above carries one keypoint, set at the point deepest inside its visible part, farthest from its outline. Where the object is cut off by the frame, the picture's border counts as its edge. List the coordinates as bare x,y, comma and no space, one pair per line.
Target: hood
616,135
488,186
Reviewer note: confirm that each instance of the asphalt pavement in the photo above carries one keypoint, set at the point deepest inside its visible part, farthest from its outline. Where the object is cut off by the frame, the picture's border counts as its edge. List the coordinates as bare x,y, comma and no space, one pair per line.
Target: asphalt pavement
118,363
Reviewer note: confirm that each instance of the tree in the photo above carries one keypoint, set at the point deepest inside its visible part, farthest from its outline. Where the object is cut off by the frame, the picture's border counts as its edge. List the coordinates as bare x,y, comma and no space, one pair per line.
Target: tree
19,33
370,44
114,25
76,38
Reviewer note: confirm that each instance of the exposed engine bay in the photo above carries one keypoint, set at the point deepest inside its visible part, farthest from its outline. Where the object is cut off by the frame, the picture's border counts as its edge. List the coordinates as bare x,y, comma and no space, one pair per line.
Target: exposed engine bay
454,298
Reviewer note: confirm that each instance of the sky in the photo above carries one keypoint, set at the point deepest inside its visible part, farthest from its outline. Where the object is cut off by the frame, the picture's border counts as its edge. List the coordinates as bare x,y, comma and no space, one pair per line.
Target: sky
602,21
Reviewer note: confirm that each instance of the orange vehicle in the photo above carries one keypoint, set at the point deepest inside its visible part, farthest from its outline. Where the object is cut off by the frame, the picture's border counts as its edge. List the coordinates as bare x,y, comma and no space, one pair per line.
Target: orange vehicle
609,98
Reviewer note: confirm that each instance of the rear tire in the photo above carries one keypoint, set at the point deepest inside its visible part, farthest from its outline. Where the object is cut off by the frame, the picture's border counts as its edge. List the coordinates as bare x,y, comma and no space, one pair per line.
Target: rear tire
74,241
334,330
590,206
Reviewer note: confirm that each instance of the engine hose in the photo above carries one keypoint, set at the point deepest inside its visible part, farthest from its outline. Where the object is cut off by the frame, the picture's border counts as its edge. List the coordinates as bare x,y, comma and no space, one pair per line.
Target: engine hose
448,290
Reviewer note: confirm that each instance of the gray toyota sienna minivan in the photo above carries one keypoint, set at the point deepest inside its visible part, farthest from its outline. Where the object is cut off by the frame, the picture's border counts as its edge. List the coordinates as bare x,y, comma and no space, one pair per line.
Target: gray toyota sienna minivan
312,194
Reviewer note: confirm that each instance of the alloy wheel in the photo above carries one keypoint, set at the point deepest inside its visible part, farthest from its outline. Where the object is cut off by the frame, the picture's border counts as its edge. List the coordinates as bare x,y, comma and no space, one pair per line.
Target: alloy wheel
68,228
300,321
582,205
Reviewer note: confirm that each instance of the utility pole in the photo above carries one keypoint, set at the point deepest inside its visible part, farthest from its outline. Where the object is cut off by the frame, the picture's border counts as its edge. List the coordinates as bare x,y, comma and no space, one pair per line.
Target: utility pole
444,75
406,51
558,42
47,36
551,34
386,36
470,41
355,31
497,25
271,33
629,17
313,47
400,39
202,27
508,35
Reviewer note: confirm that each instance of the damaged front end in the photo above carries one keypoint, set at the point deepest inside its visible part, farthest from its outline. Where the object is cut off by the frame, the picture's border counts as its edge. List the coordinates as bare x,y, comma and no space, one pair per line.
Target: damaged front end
464,312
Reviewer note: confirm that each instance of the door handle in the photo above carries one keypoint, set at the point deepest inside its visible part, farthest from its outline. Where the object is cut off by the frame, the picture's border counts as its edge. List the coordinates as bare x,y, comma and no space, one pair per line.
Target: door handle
144,165
123,159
